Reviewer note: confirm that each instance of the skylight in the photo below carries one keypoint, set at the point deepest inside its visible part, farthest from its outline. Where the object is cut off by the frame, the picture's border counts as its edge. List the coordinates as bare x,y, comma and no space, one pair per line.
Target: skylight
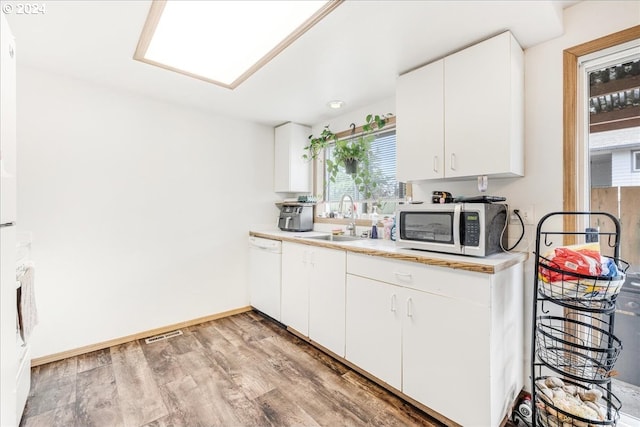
224,42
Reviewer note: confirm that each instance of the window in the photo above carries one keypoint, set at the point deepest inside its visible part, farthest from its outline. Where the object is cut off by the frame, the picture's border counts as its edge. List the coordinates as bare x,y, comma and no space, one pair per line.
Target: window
593,132
384,190
635,155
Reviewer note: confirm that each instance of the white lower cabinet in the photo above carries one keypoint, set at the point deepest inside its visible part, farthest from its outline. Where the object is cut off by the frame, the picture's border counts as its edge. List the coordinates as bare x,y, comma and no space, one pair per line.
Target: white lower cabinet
313,293
415,328
374,330
295,287
445,348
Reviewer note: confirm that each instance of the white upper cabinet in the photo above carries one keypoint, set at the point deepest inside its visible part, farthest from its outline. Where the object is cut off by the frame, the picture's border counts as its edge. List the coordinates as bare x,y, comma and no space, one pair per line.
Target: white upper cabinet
482,115
420,123
292,174
484,109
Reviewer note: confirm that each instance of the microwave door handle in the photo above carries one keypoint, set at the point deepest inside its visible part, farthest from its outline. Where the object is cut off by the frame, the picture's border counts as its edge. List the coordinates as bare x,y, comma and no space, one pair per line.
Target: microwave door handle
456,224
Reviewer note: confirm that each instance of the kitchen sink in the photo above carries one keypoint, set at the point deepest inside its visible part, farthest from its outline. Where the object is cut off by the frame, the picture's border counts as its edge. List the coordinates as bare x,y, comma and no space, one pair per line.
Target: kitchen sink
335,238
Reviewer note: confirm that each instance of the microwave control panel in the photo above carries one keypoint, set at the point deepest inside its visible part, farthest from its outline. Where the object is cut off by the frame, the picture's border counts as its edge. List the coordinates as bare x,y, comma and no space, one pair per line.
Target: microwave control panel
471,228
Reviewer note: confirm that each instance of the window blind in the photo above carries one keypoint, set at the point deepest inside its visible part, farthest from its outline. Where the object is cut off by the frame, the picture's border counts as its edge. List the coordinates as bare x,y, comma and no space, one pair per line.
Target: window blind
382,166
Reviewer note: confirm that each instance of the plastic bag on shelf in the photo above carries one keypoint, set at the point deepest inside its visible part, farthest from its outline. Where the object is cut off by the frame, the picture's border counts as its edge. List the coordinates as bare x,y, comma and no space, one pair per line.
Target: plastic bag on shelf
579,272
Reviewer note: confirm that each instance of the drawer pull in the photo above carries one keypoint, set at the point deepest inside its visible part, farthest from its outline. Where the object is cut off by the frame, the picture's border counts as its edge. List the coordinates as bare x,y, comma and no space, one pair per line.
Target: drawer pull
409,307
393,303
402,275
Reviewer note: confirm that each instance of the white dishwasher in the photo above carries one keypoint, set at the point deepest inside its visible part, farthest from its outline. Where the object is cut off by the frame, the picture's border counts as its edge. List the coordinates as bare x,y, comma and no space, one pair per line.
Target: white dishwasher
265,268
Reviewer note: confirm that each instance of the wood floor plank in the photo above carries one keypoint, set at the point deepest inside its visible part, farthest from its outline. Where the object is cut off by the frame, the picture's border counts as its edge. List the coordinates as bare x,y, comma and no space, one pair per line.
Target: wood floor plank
63,416
194,407
97,401
226,396
378,399
246,373
320,392
56,370
281,410
140,398
93,360
171,420
51,394
186,342
162,360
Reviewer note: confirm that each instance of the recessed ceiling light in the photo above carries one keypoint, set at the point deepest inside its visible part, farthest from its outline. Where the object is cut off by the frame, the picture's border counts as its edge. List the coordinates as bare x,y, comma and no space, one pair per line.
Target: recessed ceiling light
224,42
336,104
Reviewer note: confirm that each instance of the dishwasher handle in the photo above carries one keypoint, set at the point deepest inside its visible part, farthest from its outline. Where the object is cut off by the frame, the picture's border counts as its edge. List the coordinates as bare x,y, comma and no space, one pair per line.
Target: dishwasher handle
265,244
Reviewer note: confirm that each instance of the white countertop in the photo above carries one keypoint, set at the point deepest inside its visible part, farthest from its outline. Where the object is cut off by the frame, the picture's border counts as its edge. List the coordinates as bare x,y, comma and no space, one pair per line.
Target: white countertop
388,249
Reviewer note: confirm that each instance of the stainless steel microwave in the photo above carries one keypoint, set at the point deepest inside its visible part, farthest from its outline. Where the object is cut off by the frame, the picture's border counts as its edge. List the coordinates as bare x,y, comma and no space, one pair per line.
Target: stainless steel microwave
477,229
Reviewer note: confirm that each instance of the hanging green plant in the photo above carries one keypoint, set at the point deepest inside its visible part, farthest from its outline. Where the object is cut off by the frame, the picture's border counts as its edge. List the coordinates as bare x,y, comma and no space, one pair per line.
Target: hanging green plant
351,154
318,144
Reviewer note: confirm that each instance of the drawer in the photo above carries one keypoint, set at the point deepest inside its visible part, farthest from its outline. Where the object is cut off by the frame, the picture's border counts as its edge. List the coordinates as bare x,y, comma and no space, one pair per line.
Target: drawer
459,284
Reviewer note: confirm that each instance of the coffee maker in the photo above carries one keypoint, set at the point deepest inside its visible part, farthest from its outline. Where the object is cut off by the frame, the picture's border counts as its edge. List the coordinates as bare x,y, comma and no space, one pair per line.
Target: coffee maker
295,216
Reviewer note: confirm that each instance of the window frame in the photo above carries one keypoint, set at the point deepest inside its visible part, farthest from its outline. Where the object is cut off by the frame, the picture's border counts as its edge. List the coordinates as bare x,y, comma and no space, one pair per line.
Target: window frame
570,117
635,161
319,174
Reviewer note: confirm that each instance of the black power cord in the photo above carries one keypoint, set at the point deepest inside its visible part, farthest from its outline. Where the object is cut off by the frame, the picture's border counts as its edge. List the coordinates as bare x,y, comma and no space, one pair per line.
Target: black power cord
517,213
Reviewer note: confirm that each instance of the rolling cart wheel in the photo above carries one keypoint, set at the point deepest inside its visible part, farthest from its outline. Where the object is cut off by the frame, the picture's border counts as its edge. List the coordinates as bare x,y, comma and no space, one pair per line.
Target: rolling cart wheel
522,411
525,410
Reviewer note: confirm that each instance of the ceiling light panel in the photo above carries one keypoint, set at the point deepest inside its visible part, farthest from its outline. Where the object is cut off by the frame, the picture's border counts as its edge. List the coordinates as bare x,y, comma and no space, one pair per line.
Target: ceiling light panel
224,42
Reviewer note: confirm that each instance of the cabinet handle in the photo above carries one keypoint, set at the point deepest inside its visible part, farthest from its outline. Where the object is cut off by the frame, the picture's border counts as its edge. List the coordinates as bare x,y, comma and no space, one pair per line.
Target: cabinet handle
409,307
402,275
312,259
453,161
393,303
435,164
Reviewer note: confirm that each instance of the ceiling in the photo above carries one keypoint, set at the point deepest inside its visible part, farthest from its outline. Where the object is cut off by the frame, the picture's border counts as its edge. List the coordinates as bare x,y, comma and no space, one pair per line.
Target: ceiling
355,54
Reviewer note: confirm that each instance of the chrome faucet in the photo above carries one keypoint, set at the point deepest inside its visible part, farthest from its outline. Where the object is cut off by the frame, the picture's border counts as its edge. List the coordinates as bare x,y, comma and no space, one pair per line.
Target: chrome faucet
352,225
352,228
341,207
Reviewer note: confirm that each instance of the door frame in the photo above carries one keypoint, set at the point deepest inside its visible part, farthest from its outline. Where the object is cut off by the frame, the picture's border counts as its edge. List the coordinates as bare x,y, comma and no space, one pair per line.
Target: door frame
570,117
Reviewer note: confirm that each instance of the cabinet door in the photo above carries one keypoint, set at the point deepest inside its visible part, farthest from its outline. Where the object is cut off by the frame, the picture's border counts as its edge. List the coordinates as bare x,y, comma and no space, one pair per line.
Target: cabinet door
374,328
327,298
445,347
483,109
295,287
292,174
420,123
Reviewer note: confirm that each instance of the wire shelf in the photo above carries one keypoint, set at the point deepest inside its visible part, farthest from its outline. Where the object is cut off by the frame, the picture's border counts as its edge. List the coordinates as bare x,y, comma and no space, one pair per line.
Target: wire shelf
580,349
573,290
562,410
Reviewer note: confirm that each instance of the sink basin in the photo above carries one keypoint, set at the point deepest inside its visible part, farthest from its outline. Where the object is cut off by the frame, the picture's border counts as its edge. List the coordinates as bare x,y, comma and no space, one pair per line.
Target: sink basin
336,238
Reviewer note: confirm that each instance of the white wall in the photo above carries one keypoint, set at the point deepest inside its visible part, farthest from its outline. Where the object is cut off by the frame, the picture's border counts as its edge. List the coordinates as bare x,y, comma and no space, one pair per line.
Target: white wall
139,209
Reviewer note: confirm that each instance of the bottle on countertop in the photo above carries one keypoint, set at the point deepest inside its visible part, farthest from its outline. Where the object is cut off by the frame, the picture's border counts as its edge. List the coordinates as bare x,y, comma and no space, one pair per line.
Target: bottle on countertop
374,223
387,223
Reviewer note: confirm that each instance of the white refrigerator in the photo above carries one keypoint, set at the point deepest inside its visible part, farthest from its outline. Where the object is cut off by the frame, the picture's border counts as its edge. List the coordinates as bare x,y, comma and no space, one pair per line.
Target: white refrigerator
8,311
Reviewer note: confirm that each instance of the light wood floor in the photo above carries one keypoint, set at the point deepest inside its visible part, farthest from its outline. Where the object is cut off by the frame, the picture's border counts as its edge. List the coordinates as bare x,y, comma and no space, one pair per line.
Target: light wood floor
244,370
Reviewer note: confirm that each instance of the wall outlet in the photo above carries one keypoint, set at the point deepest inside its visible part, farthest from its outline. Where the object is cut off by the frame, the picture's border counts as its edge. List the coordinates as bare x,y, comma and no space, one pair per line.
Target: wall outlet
527,213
